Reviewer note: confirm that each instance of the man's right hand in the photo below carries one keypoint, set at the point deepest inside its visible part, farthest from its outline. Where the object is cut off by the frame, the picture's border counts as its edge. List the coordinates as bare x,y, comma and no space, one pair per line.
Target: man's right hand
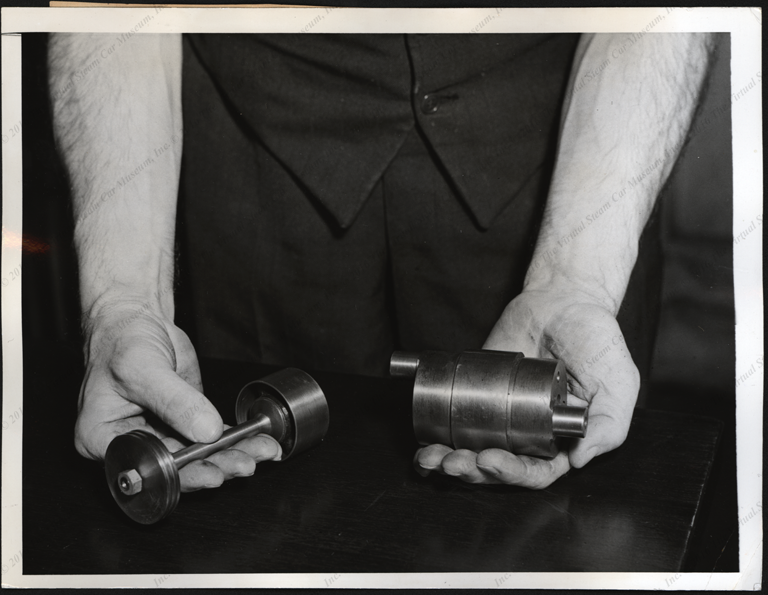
142,373
120,132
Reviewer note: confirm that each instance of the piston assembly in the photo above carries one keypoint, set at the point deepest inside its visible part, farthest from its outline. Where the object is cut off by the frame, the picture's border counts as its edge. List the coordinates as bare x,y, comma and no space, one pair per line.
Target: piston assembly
490,399
143,475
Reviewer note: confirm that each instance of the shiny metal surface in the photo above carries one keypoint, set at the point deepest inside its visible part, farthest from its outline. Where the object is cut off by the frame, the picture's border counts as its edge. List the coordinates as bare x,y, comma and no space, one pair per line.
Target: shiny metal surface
260,424
129,482
569,421
432,390
479,403
536,390
146,455
490,399
403,363
143,475
304,404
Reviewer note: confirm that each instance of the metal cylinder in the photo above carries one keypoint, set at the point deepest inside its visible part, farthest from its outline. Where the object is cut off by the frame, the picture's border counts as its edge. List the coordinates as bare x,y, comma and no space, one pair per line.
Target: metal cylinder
258,425
538,387
569,421
159,488
403,363
479,401
490,399
304,408
432,390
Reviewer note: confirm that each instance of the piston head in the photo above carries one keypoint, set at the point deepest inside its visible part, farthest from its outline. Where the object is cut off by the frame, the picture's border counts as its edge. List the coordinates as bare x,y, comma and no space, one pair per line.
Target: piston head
142,476
294,404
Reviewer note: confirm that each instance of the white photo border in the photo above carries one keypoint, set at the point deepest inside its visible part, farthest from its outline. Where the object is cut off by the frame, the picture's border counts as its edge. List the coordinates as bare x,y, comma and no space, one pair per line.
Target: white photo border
745,27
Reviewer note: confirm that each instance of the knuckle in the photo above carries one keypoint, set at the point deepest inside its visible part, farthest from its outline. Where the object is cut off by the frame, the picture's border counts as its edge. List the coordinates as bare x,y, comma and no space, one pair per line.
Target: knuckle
123,368
493,457
248,466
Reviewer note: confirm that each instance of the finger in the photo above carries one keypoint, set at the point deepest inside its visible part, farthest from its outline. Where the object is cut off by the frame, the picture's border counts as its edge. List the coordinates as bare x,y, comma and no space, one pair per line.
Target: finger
103,415
600,371
159,389
574,401
430,458
261,447
199,475
605,433
462,463
170,442
528,472
233,463
238,461
610,412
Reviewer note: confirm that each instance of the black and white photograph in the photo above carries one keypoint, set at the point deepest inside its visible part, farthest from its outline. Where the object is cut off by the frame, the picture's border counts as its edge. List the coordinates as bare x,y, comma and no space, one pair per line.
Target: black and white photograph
335,297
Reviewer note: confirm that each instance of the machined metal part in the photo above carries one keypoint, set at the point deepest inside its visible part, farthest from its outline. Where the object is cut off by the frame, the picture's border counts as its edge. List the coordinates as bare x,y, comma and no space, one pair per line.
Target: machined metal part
304,410
143,475
490,399
144,454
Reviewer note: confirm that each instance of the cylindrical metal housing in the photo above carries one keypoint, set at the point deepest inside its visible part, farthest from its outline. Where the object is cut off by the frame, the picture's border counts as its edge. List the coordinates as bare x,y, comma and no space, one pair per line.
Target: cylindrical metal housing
490,399
538,387
479,401
432,391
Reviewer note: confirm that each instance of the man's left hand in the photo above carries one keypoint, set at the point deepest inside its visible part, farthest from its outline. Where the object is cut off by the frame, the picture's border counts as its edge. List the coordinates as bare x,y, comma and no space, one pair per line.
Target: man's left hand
584,334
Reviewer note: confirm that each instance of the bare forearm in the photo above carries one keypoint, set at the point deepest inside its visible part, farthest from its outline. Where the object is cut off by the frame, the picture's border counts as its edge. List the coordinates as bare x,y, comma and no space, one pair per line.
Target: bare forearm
626,117
117,120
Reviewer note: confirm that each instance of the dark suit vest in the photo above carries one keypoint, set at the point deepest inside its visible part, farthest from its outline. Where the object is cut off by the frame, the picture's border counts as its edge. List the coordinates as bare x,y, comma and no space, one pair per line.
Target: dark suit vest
334,109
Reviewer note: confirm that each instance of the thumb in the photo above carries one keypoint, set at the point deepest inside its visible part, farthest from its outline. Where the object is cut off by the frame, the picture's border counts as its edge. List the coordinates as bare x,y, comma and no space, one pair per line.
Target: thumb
615,382
179,405
610,415
603,435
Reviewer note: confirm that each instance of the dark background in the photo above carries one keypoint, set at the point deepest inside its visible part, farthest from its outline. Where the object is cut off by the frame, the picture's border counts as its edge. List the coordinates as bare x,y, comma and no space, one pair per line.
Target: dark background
694,360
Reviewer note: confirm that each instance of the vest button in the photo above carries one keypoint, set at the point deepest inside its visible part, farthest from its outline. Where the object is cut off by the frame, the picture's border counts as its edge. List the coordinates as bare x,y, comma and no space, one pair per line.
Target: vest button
429,104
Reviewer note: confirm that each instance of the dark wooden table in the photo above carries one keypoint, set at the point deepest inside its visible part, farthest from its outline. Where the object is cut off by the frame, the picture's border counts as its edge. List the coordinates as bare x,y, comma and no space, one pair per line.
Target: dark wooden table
354,504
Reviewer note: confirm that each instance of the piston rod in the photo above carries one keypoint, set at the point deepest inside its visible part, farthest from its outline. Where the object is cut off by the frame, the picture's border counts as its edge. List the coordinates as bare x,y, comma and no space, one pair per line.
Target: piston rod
130,482
258,425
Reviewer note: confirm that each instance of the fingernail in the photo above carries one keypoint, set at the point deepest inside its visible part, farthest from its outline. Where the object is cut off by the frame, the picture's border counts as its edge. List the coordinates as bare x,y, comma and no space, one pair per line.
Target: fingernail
206,427
489,470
